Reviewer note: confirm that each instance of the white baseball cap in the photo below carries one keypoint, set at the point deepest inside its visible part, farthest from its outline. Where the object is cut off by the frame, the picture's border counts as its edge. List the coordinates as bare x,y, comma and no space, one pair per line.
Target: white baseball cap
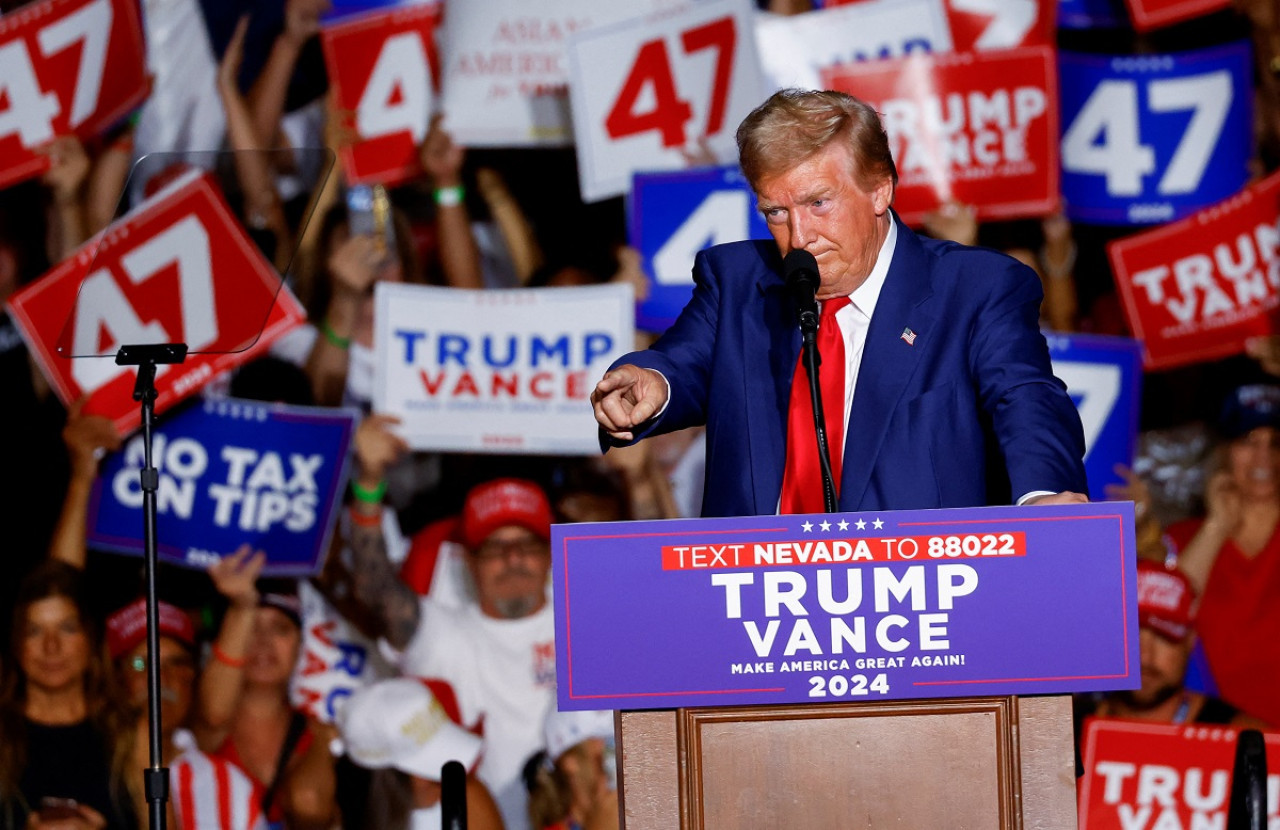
564,730
402,723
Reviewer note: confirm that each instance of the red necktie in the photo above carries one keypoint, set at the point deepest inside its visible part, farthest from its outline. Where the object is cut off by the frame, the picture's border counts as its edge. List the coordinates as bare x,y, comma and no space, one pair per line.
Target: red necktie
802,477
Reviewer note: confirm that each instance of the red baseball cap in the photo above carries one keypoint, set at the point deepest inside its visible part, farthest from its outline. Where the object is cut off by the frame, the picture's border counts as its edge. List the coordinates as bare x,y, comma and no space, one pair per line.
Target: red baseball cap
502,502
128,626
1166,600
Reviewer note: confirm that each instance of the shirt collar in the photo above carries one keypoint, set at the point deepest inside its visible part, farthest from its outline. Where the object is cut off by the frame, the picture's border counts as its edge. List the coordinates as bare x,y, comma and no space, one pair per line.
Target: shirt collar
866,296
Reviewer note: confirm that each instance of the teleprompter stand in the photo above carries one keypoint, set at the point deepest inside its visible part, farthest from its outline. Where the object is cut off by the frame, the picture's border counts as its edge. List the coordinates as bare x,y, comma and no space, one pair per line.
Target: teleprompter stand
147,358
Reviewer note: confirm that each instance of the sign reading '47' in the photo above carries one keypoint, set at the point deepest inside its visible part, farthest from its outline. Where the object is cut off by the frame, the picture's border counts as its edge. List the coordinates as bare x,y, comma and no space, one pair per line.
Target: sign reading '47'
384,69
66,66
1153,138
178,268
650,93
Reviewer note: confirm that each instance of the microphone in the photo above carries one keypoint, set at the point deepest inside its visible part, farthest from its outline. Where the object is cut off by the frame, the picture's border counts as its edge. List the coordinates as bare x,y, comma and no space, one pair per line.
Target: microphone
800,270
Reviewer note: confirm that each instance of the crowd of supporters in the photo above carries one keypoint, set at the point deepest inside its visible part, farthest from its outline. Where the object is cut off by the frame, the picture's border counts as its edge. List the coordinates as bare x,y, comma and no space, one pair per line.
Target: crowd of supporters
442,560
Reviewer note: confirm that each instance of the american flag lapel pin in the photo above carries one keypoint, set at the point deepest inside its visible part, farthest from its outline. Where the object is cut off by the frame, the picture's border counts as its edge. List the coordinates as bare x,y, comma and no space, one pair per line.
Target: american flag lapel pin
909,336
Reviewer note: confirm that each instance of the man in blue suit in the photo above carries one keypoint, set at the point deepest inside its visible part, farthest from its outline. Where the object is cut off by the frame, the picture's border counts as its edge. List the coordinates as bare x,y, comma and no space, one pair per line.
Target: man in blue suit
949,396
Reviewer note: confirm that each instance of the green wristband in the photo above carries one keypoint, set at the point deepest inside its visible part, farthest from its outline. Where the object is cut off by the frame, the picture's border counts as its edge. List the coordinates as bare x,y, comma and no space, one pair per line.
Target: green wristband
366,495
333,337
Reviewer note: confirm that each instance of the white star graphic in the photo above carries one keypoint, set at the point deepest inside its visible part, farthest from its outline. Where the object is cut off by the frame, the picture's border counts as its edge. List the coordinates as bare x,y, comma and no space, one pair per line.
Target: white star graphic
861,525
825,525
843,525
808,526
877,524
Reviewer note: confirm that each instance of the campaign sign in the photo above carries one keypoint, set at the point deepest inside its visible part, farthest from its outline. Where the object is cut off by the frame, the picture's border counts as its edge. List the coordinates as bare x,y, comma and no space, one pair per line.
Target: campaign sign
1091,14
231,472
1153,138
1140,775
672,216
649,93
980,25
497,371
1104,379
178,268
1152,14
845,606
384,69
795,48
980,128
506,73
66,66
1197,289
347,9
335,659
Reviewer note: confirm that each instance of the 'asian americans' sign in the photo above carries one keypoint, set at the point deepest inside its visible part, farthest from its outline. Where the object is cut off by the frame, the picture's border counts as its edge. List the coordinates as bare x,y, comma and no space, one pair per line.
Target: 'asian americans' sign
853,606
231,472
497,371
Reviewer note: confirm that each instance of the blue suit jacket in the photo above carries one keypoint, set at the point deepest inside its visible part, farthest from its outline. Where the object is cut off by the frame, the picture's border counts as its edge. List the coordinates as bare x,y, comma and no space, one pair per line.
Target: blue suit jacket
967,415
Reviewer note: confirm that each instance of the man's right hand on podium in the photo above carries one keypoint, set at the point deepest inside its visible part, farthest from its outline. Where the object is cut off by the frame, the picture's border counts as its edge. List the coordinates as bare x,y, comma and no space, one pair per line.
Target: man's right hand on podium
627,397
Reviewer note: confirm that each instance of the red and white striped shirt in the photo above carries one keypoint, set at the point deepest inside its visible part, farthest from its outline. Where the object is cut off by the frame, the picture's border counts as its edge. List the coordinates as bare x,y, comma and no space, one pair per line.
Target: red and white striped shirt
214,794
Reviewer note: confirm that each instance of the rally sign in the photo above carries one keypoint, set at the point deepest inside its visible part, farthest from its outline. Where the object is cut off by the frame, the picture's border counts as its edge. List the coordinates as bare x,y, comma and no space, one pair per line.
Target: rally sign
673,216
979,25
178,268
980,128
1150,776
335,659
506,73
231,472
845,606
497,371
1197,289
383,68
1153,138
794,49
66,66
649,93
347,9
1152,14
1104,378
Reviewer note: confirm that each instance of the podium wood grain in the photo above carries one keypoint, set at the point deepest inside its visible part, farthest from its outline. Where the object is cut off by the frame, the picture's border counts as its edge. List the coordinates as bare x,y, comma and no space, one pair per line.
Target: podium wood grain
968,764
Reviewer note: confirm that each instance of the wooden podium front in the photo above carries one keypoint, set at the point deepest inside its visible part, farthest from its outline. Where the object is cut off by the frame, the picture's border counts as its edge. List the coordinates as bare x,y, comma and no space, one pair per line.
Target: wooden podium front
979,763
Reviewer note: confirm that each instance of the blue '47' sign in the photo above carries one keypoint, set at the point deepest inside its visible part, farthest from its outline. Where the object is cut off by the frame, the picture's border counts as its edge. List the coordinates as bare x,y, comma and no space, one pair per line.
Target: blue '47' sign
1104,378
1152,138
672,216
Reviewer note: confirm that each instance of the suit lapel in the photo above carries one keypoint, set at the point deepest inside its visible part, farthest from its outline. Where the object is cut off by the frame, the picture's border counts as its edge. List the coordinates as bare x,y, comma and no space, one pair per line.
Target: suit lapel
771,345
888,361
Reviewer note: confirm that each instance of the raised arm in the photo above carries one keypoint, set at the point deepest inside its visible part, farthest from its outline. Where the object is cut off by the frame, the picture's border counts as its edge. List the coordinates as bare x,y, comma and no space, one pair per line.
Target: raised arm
267,97
235,576
87,437
374,582
1223,512
442,160
65,180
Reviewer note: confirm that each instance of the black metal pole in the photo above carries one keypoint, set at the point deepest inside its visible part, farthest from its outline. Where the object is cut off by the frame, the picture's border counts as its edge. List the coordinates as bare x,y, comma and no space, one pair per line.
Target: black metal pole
812,361
1248,810
155,779
453,796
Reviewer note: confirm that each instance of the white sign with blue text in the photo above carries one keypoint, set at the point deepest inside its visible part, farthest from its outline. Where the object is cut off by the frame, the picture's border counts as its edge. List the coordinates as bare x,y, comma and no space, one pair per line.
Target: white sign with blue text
497,371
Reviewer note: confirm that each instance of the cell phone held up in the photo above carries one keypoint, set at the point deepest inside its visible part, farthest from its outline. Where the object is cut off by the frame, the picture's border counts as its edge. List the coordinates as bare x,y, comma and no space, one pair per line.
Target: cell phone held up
369,213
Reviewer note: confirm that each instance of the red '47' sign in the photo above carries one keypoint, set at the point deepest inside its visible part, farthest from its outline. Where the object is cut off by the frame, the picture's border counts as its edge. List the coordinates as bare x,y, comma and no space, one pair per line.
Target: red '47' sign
981,128
66,66
384,69
1149,776
1197,289
178,268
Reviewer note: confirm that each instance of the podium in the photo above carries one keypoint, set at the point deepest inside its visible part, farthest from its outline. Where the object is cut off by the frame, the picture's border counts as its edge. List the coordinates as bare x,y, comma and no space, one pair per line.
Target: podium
982,763
902,669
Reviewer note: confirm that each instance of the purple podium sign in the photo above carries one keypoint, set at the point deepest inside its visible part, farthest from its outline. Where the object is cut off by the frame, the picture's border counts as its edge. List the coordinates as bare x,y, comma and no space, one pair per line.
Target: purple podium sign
851,606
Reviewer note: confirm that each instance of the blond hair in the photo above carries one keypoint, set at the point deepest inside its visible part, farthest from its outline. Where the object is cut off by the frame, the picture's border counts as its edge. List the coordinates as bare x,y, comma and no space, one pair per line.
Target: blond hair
795,124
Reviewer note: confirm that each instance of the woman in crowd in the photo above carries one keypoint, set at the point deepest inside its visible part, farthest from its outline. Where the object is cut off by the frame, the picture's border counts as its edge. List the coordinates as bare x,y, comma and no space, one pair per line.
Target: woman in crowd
1232,555
65,746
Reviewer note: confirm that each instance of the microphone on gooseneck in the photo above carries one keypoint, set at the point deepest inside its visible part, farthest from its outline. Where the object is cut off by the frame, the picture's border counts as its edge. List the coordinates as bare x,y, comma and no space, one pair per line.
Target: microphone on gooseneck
800,270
